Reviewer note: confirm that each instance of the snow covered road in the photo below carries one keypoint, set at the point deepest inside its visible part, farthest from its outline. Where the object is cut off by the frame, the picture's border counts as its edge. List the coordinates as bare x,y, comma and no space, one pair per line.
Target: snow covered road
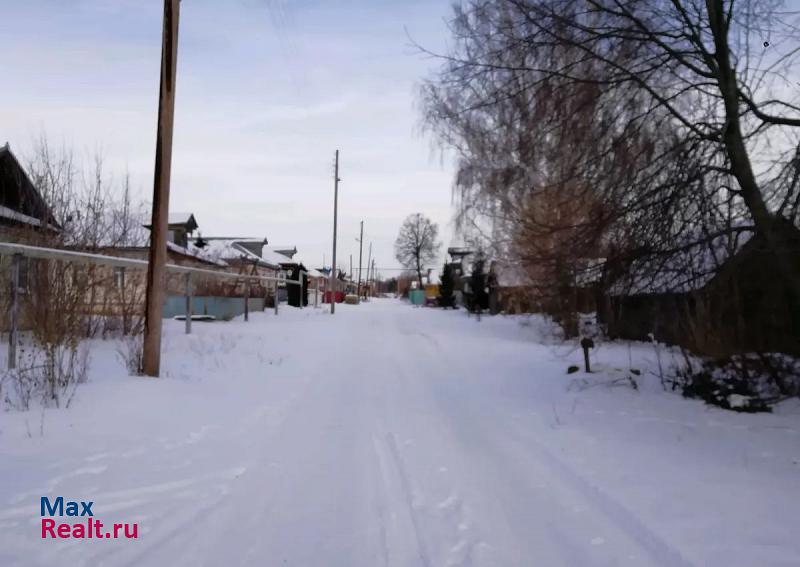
395,436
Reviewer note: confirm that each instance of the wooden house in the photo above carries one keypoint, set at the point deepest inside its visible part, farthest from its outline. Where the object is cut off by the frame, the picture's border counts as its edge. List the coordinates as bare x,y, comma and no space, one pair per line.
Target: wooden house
22,207
718,297
246,256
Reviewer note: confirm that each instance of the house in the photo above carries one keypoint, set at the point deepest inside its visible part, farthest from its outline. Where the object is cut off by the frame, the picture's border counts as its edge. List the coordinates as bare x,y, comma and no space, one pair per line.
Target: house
285,257
24,217
120,292
512,290
715,297
247,256
22,207
460,271
180,227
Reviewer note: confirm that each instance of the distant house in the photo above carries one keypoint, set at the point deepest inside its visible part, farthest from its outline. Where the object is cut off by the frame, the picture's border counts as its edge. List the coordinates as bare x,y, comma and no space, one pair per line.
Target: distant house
285,257
511,291
180,228
460,271
717,297
121,291
22,207
247,256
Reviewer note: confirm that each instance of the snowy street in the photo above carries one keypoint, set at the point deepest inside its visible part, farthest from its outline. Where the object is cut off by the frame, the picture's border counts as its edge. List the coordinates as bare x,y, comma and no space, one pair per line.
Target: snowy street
389,435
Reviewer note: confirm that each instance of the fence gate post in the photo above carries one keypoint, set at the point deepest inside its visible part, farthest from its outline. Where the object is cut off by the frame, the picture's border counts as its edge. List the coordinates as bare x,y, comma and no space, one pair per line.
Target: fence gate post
247,299
303,289
188,285
12,335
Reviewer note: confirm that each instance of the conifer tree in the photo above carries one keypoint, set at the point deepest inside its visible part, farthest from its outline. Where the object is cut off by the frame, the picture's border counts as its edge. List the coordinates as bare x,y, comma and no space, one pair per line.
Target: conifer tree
446,287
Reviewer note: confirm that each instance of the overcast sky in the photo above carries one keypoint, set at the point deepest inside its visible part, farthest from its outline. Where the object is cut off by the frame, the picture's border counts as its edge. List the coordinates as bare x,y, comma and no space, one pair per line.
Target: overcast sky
267,90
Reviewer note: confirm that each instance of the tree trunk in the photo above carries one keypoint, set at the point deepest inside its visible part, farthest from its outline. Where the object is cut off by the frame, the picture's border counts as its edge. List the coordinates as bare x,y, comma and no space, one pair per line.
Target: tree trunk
765,222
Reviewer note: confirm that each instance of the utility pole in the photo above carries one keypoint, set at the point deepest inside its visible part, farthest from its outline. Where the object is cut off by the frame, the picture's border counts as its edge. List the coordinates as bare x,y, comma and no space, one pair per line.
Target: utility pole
335,213
351,267
374,279
154,302
360,254
369,265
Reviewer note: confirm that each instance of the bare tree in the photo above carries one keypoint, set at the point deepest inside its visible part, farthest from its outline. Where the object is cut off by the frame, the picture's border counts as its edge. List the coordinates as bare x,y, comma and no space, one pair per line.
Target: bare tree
620,128
416,245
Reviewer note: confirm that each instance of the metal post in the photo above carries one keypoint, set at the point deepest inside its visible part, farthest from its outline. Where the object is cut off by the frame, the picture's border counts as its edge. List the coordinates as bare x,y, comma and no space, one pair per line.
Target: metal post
122,299
302,288
275,297
369,263
247,300
360,254
586,344
156,280
335,213
12,335
188,285
316,293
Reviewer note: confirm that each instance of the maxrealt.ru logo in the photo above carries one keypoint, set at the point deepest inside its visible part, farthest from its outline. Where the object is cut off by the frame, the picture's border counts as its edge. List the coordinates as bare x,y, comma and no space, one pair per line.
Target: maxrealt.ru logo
90,528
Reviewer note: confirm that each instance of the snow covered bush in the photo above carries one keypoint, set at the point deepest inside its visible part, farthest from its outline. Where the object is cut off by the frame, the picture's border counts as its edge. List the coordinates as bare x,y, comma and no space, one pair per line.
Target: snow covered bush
745,383
48,373
132,354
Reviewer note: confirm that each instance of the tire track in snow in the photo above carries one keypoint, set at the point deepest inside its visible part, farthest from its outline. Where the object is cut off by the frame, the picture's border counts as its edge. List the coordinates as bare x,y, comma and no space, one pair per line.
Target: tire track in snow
655,545
560,473
379,502
405,486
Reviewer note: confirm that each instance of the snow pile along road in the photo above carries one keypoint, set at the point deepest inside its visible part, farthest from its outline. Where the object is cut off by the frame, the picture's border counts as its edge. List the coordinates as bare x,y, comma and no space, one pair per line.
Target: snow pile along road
398,436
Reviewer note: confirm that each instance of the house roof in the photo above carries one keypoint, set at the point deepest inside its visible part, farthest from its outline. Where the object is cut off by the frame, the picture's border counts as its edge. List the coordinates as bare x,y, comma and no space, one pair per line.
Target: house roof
459,251
687,269
13,215
287,251
277,258
183,219
20,200
234,249
196,253
186,220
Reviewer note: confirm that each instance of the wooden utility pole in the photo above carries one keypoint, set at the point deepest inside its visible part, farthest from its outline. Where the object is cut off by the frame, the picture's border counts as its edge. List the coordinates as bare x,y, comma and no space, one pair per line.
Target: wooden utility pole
154,302
374,279
360,254
335,213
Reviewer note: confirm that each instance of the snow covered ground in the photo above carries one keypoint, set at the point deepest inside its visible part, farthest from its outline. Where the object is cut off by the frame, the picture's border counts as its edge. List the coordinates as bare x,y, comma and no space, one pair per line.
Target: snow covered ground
399,436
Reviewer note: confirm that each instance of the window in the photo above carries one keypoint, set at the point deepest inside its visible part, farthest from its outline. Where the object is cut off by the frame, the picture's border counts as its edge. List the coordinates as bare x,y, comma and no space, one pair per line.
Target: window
119,277
24,274
79,277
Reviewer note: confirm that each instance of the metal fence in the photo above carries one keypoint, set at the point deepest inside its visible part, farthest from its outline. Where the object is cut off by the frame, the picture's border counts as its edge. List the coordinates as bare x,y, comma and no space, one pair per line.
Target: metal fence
18,251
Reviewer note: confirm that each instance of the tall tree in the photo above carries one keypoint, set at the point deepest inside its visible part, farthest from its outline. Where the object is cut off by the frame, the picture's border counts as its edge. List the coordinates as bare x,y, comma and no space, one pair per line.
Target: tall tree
588,127
416,245
477,286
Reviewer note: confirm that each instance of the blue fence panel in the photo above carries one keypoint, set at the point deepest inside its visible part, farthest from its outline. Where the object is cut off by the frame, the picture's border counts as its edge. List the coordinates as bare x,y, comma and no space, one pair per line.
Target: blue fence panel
224,308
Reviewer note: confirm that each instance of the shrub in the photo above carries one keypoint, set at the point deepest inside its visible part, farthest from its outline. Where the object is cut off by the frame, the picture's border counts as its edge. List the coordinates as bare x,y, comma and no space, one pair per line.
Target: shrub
131,352
744,383
50,373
